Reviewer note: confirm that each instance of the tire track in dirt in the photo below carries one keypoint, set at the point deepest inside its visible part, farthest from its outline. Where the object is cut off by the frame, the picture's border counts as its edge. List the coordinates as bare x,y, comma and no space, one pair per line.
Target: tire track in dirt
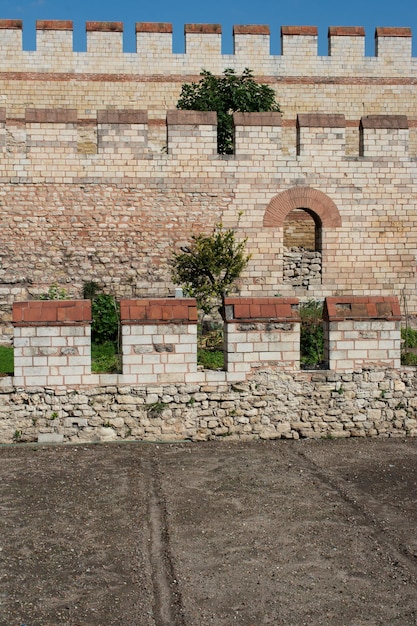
167,597
366,506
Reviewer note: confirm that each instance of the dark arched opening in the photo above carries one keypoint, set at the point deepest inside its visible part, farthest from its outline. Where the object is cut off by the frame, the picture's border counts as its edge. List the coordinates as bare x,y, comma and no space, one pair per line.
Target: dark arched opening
302,248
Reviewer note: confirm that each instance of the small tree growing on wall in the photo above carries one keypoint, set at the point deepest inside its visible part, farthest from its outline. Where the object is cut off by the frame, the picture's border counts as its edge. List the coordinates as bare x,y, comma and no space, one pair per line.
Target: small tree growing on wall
208,268
225,95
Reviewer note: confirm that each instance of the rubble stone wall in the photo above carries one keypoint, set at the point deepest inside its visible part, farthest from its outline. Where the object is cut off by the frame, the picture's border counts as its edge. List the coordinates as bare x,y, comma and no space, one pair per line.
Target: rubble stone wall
269,405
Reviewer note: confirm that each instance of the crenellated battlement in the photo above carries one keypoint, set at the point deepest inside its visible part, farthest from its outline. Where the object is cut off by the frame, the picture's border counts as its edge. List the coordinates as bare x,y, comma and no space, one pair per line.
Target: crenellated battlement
203,48
191,136
101,177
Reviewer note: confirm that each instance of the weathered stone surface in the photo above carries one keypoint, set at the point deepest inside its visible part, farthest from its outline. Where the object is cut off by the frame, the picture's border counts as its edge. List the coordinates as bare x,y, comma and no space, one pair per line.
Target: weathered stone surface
270,404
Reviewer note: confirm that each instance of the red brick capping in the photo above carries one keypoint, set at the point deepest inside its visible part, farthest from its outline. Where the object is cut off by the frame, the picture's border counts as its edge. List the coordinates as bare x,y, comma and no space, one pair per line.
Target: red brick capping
271,309
272,118
384,121
182,118
52,313
54,25
361,308
299,30
51,116
207,29
251,29
321,120
302,198
393,32
11,24
105,27
346,31
153,27
158,311
127,116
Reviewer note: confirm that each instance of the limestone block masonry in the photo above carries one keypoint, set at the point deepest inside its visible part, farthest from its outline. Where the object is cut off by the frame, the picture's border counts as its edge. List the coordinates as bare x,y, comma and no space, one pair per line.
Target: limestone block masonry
101,177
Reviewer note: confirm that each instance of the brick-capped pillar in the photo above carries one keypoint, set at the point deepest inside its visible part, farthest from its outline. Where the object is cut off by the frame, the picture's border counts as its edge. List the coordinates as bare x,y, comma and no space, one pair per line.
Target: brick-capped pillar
394,44
203,41
52,342
154,41
384,136
362,332
299,42
321,135
51,131
192,133
122,132
104,38
262,332
11,41
159,338
258,132
347,43
54,37
251,40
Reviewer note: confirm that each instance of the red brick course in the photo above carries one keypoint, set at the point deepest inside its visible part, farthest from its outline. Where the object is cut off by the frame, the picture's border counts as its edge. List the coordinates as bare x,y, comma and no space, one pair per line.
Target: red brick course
182,118
321,120
392,32
153,27
362,308
299,30
158,310
271,309
257,119
126,116
346,31
54,25
105,27
11,24
208,29
51,312
251,29
384,121
50,116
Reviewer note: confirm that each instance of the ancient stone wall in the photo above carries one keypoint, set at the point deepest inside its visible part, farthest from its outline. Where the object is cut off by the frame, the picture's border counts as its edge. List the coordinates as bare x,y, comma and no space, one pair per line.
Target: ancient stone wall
100,179
160,394
271,405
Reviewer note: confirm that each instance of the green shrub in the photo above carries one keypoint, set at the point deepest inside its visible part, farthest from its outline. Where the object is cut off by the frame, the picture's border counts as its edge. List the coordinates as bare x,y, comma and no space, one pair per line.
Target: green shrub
54,293
408,358
105,358
210,359
409,336
6,360
311,334
105,314
225,94
409,345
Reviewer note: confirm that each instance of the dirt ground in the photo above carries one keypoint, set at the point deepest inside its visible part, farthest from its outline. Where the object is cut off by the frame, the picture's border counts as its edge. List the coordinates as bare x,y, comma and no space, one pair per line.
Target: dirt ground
282,533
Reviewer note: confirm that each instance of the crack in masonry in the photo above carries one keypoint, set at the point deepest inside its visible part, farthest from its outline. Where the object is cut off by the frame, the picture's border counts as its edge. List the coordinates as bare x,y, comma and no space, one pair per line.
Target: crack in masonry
167,597
383,532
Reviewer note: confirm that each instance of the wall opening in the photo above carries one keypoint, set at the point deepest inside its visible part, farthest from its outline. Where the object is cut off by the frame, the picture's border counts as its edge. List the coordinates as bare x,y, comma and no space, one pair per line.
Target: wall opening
302,248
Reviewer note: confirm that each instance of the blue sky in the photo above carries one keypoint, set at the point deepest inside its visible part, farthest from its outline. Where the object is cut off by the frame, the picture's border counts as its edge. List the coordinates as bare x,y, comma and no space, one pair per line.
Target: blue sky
320,13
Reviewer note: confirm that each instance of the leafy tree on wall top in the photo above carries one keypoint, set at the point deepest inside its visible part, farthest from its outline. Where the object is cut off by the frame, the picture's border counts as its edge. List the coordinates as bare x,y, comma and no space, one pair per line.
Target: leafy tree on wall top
225,95
208,268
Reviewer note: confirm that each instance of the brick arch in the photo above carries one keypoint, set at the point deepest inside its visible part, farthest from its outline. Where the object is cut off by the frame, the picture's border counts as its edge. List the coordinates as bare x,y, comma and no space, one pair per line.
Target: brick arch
316,202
